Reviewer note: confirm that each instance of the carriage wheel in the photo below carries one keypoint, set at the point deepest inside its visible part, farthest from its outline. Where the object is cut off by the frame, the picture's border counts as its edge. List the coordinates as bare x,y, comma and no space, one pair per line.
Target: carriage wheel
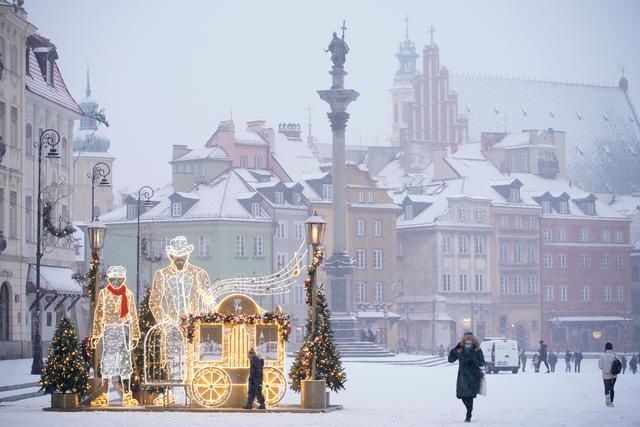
211,387
274,386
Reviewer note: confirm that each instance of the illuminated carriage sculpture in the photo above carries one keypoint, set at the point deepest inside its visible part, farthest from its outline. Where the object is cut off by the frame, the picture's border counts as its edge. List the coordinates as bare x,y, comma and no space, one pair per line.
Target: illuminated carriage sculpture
208,354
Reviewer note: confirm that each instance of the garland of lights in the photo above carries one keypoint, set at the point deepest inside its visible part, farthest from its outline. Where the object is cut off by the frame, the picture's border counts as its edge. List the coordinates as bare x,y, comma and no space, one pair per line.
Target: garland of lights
145,254
318,256
68,229
238,319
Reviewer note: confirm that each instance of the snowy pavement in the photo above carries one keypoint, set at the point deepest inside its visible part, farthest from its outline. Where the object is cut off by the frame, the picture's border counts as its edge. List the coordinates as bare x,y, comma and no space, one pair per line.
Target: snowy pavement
381,395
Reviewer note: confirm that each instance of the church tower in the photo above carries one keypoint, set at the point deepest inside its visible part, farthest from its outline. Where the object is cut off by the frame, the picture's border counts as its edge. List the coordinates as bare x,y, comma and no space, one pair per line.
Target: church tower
90,147
402,91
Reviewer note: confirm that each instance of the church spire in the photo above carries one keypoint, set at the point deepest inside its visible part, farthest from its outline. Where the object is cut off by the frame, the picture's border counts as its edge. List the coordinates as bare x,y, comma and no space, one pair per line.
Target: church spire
406,56
88,89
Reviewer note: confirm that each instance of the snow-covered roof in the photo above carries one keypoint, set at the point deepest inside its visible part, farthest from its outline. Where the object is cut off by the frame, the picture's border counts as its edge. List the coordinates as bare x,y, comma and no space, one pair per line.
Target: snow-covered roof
248,138
602,130
517,139
215,152
295,157
58,280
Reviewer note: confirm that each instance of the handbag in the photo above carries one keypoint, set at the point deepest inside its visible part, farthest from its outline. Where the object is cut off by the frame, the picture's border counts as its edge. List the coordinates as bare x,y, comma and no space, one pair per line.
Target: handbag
483,387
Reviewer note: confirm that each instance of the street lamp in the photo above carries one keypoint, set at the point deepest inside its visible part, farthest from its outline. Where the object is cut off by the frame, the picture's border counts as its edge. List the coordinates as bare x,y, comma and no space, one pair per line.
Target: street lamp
98,176
48,138
97,233
146,193
316,227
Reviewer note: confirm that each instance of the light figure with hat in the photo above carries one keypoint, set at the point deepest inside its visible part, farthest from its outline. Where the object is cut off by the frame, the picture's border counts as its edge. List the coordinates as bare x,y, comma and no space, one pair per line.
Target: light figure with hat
116,323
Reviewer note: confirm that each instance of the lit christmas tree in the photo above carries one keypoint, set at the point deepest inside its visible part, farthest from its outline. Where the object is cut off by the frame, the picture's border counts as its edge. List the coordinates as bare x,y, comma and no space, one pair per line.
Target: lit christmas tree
318,342
65,370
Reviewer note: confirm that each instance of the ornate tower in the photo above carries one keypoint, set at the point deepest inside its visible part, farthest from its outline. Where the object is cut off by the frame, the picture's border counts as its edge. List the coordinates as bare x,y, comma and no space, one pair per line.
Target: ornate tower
402,91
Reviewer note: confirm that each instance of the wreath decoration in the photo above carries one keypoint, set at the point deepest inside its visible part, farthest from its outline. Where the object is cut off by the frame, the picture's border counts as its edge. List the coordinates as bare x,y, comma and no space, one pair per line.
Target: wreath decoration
66,231
237,319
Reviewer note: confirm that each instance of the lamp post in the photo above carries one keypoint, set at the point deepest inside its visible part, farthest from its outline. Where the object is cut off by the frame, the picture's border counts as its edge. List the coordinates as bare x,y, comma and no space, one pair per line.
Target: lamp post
96,232
316,226
146,193
99,173
48,138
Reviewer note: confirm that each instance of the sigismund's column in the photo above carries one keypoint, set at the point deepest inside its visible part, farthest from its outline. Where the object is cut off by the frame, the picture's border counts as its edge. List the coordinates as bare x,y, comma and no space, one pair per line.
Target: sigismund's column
339,266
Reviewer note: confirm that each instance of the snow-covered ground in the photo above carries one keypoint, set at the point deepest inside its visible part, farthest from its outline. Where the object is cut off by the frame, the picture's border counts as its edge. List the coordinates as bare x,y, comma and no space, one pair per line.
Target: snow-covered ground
396,396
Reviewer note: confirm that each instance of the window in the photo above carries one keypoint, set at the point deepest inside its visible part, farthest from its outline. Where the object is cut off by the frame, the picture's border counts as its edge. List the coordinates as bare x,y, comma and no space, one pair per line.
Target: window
281,230
281,260
279,198
13,128
258,246
256,209
517,222
408,212
298,294
504,252
464,282
517,285
607,294
605,262
64,148
132,210
203,246
532,285
618,236
479,282
369,197
379,292
480,216
548,234
563,293
619,262
5,310
377,259
298,230
297,199
29,219
244,160
504,222
2,121
446,244
28,136
257,161
463,244
377,228
531,254
504,285
620,293
240,245
584,261
479,244
546,207
563,207
584,235
49,318
590,208
585,294
361,292
503,321
327,193
13,215
605,236
176,209
548,261
562,261
562,234
13,58
361,258
514,195
517,253
532,223
360,227
548,294
360,196
462,215
446,282
49,75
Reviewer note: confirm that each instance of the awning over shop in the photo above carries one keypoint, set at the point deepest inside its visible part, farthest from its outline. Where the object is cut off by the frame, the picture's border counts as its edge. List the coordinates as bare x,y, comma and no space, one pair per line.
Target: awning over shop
54,280
589,319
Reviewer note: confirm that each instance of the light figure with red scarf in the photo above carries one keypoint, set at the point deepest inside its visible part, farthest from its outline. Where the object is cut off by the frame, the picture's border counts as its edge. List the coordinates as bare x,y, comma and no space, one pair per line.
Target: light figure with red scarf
116,323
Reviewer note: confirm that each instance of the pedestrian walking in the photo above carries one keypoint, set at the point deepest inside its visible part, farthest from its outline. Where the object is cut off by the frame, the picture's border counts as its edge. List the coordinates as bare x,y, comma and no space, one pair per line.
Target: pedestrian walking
256,363
578,360
623,360
567,360
536,362
609,372
633,364
543,354
470,358
523,359
553,360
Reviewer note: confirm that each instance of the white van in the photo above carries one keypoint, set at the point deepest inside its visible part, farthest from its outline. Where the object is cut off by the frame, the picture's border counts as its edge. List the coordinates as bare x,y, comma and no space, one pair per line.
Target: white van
500,354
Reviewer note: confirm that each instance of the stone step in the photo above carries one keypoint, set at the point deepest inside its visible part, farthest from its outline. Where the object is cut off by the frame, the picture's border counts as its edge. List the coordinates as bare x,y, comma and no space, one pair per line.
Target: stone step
18,386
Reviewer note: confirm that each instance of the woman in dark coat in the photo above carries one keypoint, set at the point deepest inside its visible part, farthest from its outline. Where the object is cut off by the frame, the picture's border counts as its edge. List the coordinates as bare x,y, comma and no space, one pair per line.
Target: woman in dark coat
470,359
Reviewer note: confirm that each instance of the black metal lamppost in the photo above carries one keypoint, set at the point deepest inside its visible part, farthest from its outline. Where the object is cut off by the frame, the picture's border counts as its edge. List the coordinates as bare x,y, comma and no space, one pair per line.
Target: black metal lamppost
98,176
144,193
316,227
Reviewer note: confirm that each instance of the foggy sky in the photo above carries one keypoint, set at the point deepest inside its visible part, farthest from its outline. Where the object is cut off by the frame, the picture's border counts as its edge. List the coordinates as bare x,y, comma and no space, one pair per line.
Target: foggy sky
167,72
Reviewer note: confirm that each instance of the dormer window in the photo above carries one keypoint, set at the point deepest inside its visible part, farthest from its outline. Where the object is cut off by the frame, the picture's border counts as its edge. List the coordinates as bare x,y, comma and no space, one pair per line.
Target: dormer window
327,193
514,195
297,199
279,198
132,210
176,209
546,206
563,206
590,208
256,209
408,212
49,75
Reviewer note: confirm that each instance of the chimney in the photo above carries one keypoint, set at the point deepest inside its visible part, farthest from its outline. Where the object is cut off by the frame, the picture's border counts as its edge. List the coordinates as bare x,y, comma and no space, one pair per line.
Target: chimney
291,130
255,126
179,150
489,139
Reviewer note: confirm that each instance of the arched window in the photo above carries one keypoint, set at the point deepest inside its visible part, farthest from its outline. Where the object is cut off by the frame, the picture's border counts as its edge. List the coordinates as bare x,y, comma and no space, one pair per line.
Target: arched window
4,311
28,137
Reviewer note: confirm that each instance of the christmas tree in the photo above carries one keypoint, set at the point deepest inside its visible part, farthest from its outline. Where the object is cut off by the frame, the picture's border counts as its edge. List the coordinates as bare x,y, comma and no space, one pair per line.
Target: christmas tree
318,342
65,370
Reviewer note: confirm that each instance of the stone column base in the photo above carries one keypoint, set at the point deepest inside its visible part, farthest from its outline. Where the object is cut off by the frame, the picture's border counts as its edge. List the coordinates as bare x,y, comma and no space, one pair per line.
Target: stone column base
313,394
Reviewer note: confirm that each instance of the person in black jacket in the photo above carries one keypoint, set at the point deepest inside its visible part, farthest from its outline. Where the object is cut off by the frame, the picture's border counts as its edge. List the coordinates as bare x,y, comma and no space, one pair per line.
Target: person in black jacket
567,360
577,360
470,358
553,360
256,364
543,355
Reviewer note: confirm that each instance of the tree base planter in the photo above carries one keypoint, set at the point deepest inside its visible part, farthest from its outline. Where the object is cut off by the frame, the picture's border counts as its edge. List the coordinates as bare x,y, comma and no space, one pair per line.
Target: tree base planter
313,394
65,400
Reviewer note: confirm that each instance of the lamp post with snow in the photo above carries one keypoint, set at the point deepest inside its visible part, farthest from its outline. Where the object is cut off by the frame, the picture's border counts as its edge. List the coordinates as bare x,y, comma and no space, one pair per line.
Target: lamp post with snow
97,233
